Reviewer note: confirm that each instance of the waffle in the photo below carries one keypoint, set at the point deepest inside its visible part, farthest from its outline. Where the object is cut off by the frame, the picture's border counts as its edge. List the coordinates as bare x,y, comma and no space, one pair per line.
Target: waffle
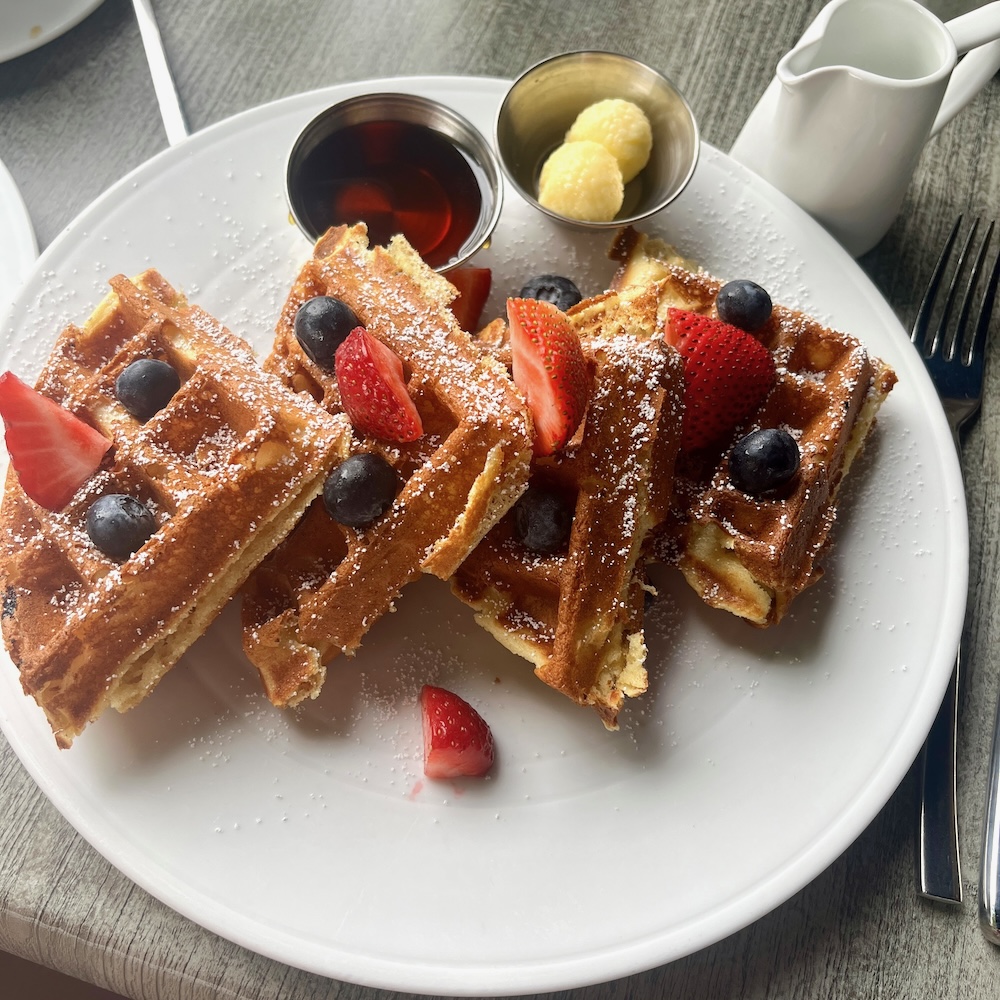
577,615
227,467
750,556
318,594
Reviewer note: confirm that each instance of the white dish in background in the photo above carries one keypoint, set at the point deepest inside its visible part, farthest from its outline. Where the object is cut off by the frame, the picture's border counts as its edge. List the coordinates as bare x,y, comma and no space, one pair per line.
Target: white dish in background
756,758
18,248
25,26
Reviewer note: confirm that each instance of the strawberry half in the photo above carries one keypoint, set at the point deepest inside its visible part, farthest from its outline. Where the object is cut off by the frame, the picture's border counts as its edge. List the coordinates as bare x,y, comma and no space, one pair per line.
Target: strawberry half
53,451
457,741
727,374
473,284
550,369
372,389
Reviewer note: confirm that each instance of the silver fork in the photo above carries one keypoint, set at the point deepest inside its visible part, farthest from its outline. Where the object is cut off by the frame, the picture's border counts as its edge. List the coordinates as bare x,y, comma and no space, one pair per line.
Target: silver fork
955,360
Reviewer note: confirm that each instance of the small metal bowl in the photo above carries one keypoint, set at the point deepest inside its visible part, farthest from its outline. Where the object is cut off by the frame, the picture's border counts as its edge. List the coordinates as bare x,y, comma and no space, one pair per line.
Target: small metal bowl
399,163
544,101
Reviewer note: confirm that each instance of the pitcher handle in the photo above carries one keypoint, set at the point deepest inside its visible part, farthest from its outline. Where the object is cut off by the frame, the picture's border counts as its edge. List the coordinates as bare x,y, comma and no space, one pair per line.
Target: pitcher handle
975,28
978,34
971,74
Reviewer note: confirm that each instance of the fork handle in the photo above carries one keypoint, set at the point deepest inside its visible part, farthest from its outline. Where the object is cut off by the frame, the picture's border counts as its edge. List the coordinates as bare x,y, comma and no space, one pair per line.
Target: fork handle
939,875
989,870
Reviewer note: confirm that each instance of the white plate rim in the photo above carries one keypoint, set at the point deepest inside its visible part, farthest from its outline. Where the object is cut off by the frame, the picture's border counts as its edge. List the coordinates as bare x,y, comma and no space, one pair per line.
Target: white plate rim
20,247
625,960
68,14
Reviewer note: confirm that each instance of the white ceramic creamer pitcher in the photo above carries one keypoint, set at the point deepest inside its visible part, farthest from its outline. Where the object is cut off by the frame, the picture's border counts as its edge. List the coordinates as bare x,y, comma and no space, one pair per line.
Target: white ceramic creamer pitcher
841,126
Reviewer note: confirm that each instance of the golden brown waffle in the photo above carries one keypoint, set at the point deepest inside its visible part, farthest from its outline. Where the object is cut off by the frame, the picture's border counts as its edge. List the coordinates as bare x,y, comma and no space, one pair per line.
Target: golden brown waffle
577,615
752,556
321,591
227,467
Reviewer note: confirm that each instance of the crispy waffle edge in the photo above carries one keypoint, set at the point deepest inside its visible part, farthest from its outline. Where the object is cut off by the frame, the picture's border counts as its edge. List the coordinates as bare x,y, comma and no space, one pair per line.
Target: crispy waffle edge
115,629
475,463
749,556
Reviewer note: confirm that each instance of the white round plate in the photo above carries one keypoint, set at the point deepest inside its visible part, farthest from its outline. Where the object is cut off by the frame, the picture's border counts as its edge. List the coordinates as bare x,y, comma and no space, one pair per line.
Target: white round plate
18,248
25,26
755,759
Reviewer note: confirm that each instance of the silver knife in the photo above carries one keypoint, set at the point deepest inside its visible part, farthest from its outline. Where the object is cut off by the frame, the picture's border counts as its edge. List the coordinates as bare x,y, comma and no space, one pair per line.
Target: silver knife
989,868
159,69
939,871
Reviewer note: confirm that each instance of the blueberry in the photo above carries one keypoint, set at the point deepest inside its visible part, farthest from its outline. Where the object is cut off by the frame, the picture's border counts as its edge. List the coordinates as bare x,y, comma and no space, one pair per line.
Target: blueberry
744,304
763,461
360,490
542,520
561,292
9,602
119,524
322,325
146,386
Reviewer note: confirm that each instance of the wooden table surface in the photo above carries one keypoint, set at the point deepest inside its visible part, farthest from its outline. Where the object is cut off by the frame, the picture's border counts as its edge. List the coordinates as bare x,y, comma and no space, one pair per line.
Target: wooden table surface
78,113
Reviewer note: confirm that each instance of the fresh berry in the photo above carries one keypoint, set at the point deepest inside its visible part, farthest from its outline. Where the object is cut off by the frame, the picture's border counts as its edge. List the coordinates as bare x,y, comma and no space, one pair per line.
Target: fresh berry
360,490
457,741
473,284
119,525
727,374
554,288
542,520
146,386
763,461
744,304
550,369
372,389
322,324
53,451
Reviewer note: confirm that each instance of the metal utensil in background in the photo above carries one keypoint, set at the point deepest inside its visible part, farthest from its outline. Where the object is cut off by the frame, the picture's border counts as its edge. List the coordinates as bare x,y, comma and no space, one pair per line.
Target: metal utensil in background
19,248
957,368
989,863
159,69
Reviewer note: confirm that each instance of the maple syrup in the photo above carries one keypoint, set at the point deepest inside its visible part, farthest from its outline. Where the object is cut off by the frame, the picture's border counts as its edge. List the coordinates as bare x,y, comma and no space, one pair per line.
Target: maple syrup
396,177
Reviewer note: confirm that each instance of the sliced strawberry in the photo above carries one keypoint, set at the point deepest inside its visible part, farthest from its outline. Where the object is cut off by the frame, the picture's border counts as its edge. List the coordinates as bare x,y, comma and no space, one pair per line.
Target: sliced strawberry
457,740
727,374
53,451
550,369
372,389
473,284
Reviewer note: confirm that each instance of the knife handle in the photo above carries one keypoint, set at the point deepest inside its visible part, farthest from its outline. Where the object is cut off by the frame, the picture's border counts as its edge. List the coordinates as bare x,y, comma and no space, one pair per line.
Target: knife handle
989,866
939,872
159,69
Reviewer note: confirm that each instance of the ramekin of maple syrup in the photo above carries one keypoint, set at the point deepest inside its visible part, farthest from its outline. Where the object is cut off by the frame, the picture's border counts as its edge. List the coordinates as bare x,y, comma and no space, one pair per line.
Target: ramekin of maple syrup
401,164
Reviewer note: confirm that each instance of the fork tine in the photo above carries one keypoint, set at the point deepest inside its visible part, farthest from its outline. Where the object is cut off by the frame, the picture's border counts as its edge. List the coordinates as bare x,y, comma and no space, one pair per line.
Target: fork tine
958,337
947,347
919,331
978,344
